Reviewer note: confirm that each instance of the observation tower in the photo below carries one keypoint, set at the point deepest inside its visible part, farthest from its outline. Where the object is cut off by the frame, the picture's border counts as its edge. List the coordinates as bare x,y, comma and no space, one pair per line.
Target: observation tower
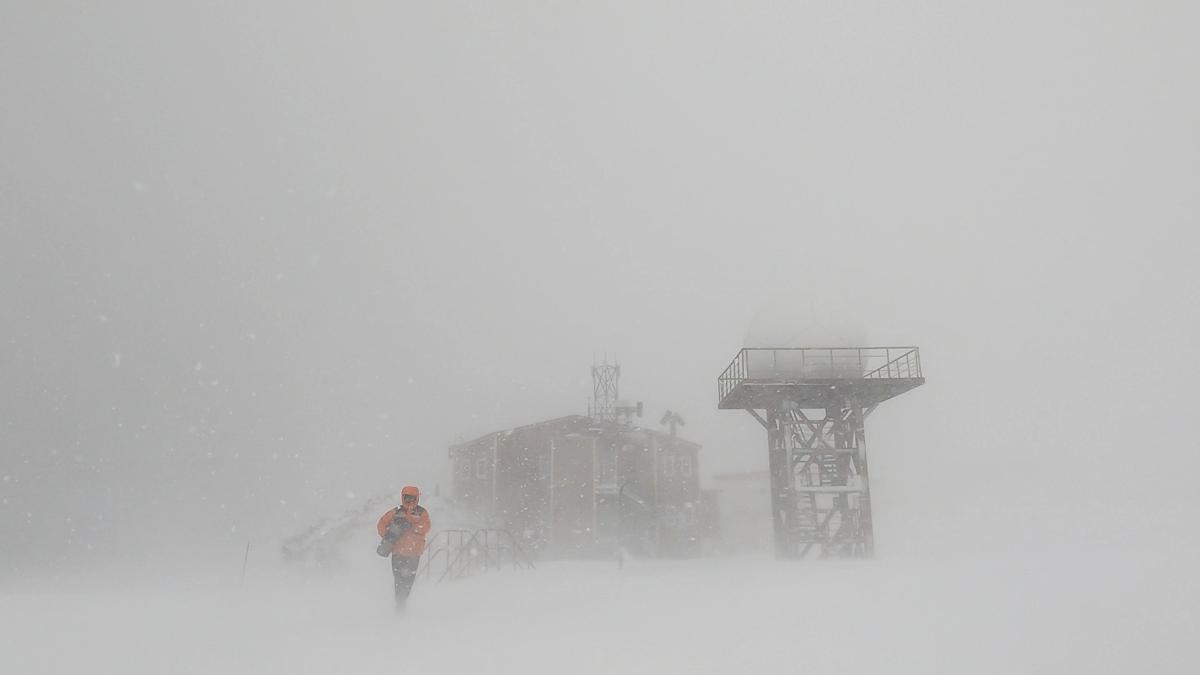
814,403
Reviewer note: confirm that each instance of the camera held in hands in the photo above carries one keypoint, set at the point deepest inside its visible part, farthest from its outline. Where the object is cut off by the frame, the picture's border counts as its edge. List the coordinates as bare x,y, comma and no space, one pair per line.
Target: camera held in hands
395,530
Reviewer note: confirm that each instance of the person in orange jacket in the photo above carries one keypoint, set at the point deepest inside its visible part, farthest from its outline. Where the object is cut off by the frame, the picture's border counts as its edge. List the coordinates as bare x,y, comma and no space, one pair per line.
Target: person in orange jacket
412,522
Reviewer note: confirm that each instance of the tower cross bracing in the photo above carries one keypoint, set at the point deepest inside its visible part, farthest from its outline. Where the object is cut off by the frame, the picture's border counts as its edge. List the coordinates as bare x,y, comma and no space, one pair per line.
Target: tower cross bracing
814,403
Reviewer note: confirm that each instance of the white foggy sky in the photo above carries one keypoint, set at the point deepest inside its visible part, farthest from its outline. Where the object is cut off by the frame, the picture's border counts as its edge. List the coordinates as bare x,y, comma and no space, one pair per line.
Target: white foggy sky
271,253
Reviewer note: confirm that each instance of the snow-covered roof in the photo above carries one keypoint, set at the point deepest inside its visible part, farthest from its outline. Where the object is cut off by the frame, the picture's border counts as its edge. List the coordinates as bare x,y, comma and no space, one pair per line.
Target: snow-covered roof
566,420
580,423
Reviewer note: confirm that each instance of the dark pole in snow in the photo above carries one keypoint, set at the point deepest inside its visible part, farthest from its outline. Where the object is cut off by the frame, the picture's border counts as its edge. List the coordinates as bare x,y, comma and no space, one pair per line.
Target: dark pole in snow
245,560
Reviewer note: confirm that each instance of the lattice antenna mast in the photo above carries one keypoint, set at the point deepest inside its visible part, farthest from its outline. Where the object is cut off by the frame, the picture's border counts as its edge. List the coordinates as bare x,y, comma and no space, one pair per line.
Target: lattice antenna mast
606,380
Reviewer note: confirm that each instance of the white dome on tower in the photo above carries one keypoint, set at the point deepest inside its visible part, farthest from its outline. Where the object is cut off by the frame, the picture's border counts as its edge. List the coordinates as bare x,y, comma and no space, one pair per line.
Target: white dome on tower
799,320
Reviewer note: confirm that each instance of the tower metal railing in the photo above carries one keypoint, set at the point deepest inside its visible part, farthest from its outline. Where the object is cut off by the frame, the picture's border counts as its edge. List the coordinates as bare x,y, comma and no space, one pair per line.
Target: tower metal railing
797,364
907,365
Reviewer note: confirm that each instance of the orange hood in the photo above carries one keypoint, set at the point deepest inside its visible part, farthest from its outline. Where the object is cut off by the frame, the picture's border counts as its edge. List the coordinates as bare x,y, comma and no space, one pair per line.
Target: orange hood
410,490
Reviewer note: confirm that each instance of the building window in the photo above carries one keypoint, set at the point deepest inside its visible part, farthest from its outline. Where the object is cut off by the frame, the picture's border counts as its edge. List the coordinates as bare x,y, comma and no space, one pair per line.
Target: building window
669,465
481,468
685,466
544,468
464,468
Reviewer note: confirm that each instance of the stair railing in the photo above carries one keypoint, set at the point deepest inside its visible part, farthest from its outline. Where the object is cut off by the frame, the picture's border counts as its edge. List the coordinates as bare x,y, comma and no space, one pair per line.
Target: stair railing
456,554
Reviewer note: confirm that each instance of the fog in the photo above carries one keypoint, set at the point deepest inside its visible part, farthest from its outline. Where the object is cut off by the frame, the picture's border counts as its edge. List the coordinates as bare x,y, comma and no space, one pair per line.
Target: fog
261,263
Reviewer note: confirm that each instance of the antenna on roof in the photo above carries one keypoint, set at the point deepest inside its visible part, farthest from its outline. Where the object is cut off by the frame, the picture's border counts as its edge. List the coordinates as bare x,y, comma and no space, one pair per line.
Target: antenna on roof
672,419
606,379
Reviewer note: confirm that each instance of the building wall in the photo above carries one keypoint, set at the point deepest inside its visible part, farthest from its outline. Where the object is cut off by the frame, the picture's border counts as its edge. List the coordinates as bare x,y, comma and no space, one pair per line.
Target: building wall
472,465
521,494
678,497
567,488
574,505
639,523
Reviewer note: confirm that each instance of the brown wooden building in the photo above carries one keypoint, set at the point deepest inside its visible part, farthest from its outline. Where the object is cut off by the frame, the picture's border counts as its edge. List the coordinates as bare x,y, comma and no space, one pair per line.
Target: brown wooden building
579,487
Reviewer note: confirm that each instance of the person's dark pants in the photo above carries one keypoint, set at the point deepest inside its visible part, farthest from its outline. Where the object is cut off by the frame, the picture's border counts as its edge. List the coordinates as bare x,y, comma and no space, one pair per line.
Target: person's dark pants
404,570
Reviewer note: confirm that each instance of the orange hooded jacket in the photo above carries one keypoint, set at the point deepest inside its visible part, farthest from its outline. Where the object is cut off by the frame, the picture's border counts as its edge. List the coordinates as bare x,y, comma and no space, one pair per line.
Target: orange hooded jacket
411,544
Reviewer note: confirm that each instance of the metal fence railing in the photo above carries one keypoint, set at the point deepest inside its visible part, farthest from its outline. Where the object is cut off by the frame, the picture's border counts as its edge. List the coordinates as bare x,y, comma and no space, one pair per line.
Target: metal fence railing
455,554
906,365
799,364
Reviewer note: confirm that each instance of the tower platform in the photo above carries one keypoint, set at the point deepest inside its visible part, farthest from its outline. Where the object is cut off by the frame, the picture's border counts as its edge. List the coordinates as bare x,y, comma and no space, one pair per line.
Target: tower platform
818,377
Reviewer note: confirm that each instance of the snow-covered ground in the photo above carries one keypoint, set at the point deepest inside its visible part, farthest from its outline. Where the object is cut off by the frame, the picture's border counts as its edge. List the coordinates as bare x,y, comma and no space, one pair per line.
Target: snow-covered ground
1109,613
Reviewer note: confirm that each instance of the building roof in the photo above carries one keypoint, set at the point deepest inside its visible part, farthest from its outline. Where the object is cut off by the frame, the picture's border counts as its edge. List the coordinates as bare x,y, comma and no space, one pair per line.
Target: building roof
662,436
566,420
582,422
